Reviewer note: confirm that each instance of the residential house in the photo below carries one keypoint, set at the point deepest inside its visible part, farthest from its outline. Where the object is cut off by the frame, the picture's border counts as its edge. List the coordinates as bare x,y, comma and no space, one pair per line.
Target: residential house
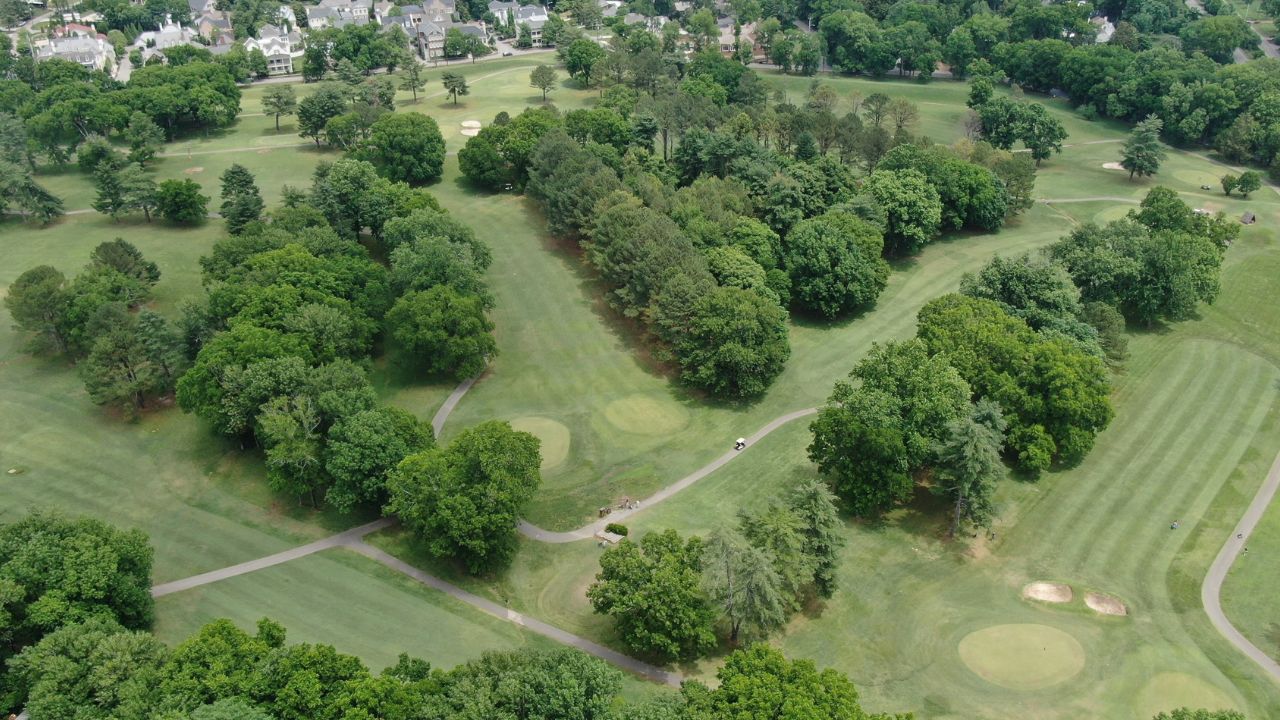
79,44
338,13
729,38
170,34
513,13
210,22
282,48
427,27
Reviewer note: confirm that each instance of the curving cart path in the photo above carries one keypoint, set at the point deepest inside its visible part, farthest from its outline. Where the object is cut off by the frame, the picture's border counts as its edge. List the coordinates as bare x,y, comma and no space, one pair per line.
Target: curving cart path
1211,589
534,532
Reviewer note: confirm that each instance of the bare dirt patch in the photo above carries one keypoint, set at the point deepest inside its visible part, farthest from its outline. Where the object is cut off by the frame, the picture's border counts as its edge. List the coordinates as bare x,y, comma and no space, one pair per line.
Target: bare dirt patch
1112,166
1047,592
193,170
1105,604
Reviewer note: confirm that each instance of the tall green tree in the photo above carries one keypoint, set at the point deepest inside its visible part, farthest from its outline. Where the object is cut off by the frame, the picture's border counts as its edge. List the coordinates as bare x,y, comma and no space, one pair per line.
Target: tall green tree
144,136
814,503
543,77
110,199
1142,153
759,682
652,590
442,332
279,100
741,581
411,78
138,190
362,450
180,201
464,501
241,199
37,301
455,85
835,263
405,147
968,464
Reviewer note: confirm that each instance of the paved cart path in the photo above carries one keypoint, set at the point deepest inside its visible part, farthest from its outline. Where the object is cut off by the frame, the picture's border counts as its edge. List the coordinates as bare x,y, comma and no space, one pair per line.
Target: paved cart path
1212,587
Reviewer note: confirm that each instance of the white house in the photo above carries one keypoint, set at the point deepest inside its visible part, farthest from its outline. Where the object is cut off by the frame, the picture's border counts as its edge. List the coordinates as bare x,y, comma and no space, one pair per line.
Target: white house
79,44
534,16
169,35
281,48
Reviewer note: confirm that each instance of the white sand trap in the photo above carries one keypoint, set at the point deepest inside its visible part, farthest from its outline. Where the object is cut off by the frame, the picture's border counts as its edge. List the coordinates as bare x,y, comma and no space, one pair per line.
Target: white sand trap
1105,604
470,124
469,132
1048,592
1112,166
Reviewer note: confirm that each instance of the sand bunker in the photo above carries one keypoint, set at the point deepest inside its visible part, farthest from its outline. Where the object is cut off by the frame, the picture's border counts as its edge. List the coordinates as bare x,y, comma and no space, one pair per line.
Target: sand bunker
470,128
553,435
1048,592
469,132
1022,656
1105,604
1112,166
193,170
470,124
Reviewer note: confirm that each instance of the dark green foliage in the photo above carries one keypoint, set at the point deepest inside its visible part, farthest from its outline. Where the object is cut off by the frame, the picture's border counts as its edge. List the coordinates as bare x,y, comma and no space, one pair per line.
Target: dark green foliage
463,501
652,590
870,437
972,196
1038,291
1054,396
1156,265
735,343
835,264
758,682
37,302
968,465
180,201
912,208
405,147
442,332
241,200
55,571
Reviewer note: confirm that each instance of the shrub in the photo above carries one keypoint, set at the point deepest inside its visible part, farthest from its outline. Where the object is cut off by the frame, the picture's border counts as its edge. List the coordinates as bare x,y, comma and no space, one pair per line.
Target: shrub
616,529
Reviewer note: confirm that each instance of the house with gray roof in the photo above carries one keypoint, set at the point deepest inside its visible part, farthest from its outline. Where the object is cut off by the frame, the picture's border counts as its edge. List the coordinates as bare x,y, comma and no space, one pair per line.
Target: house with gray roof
339,13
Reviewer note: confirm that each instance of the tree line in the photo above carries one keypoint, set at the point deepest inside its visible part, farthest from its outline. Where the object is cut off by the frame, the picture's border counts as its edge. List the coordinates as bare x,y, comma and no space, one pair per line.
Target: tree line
1014,366
749,209
75,643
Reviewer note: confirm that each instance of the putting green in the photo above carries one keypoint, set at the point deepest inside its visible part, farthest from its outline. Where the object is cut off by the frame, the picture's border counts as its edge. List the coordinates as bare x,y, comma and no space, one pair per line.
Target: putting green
646,415
554,437
1172,690
1022,657
1200,177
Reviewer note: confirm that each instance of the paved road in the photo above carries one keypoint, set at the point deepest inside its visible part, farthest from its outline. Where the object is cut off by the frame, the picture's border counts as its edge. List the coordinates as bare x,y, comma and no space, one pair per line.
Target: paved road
536,533
342,539
1212,587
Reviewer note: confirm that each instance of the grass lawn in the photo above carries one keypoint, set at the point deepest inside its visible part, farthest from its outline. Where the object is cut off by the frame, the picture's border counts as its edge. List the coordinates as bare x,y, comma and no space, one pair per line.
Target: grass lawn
920,624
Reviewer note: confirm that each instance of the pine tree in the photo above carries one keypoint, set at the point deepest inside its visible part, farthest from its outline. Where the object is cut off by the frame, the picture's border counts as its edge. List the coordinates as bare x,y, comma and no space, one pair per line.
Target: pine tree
1142,153
814,503
969,464
241,200
110,200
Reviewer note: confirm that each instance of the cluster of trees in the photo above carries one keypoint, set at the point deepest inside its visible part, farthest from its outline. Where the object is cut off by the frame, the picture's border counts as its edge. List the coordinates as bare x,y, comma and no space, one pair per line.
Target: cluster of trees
280,347
757,209
75,644
1235,108
1156,265
124,185
61,105
126,354
358,117
58,571
1016,361
668,594
354,49
1003,121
